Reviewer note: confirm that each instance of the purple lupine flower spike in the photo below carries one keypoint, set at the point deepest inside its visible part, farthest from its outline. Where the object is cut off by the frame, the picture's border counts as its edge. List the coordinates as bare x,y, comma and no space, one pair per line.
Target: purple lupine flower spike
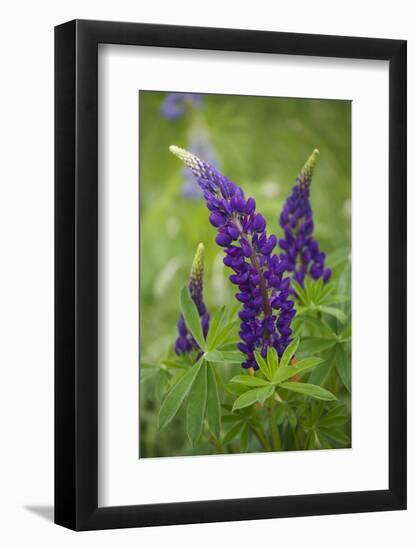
301,251
199,142
175,104
185,342
264,292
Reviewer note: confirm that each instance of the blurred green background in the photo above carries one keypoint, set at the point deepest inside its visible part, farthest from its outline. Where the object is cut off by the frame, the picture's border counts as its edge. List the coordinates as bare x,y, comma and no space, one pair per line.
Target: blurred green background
261,144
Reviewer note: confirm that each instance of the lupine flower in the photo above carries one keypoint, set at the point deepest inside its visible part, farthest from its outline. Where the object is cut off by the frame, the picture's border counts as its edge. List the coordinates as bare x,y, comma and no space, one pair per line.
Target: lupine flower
185,342
199,142
175,104
267,309
301,252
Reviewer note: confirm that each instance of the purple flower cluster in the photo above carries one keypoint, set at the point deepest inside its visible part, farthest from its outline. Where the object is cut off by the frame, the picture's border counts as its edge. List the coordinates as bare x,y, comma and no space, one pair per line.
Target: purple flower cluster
301,253
264,292
175,104
185,342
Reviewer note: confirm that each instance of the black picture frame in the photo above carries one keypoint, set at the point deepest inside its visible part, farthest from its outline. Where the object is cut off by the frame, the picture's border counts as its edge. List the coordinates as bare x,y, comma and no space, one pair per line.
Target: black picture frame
76,272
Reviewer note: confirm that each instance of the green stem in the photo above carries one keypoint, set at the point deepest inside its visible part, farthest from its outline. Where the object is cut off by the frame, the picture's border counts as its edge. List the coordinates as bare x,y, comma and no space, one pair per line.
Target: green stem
261,438
215,443
276,439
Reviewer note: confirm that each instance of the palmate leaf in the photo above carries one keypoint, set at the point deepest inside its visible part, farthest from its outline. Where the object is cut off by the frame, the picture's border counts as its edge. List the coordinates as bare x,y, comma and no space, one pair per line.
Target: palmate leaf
218,356
257,395
300,292
308,286
314,345
308,389
233,432
272,360
334,312
213,402
299,368
262,364
314,322
334,418
337,257
215,324
343,366
288,353
322,371
335,299
335,434
249,380
196,406
191,317
224,334
176,395
325,292
344,288
236,388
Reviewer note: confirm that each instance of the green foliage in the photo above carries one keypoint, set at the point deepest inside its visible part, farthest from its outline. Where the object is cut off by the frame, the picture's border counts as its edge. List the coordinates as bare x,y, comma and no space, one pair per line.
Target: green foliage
177,394
276,373
192,318
188,404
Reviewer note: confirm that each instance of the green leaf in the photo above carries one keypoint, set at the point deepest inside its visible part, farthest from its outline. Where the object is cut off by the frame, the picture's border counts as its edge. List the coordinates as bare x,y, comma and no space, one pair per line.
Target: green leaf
320,324
231,311
289,352
146,365
232,433
258,395
148,373
225,356
343,366
223,334
332,421
344,288
336,299
317,289
244,439
334,312
308,389
236,388
191,317
262,365
272,360
281,413
299,368
309,289
249,380
175,364
176,395
292,417
314,345
300,292
337,257
215,325
327,289
321,372
213,402
337,434
196,406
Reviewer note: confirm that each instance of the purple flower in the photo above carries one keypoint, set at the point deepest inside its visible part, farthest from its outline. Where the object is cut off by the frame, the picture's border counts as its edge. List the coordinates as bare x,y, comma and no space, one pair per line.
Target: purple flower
301,253
175,104
185,342
264,293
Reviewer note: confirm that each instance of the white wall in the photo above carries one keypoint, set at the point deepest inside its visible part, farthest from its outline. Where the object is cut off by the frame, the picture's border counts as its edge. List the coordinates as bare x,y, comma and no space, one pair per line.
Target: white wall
26,296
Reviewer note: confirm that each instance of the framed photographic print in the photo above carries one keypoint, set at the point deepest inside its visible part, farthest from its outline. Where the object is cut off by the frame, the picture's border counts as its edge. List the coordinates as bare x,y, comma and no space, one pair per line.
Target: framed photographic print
230,275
